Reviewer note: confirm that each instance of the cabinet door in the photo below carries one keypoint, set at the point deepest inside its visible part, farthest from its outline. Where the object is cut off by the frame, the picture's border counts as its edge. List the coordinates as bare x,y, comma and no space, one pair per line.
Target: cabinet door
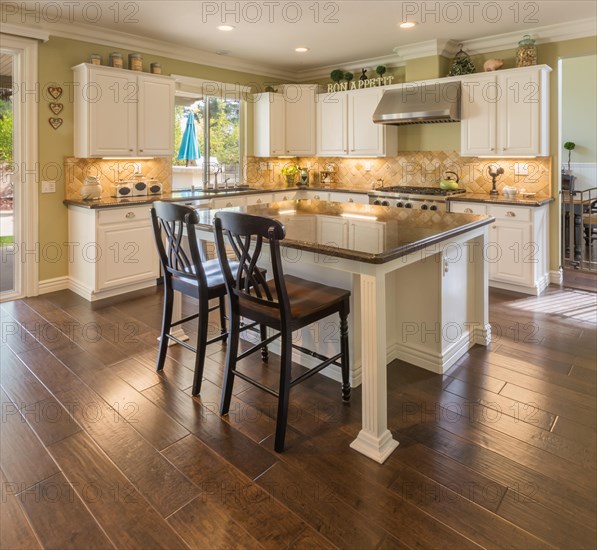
261,198
112,123
277,125
519,113
366,236
156,116
300,120
128,255
332,231
364,136
478,133
509,253
332,113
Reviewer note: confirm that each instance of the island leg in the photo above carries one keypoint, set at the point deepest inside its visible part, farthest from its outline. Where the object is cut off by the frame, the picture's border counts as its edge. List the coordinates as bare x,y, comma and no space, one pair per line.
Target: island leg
374,439
482,328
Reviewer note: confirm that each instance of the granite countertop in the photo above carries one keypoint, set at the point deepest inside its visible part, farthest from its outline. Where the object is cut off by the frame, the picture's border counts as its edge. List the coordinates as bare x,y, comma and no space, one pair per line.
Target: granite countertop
501,199
405,231
179,196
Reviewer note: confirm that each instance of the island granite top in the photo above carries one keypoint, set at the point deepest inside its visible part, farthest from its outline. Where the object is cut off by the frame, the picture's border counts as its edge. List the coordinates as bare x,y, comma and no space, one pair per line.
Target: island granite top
404,231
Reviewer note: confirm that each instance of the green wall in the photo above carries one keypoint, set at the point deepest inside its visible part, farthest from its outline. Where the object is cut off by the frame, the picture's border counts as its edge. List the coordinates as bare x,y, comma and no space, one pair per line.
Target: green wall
56,58
579,108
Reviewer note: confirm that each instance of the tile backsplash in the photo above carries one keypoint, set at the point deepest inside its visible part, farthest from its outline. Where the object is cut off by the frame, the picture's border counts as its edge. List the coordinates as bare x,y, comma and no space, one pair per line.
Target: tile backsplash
111,171
423,169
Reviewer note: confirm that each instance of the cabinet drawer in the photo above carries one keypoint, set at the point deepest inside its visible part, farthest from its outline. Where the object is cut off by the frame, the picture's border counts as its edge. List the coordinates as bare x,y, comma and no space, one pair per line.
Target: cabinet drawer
289,196
468,208
512,213
336,196
124,215
262,198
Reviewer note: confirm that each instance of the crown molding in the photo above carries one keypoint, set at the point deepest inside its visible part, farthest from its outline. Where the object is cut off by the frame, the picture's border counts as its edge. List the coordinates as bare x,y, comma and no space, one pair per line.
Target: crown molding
118,39
428,48
559,32
25,32
323,72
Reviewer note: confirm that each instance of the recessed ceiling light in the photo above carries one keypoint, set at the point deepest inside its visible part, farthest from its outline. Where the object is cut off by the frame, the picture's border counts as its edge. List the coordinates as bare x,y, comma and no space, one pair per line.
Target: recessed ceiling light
301,49
407,25
225,28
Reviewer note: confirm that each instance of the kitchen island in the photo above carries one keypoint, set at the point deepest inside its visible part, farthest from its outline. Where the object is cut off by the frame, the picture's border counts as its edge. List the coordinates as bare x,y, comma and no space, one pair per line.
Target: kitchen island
418,282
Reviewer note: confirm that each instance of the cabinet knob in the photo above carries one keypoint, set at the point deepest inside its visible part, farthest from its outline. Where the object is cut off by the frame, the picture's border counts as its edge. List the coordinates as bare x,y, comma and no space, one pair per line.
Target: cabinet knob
511,214
316,197
493,148
140,150
130,150
130,215
258,201
504,149
468,211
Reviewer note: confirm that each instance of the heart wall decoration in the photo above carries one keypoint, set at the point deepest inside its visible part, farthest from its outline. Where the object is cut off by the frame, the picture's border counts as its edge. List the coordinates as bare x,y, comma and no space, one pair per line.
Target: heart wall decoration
55,91
56,108
55,122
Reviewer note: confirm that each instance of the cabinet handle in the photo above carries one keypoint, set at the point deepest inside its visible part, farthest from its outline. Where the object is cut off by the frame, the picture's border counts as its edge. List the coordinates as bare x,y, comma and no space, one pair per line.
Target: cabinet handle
504,149
350,200
468,211
316,197
228,204
140,150
258,201
130,215
511,214
446,266
285,198
130,150
493,149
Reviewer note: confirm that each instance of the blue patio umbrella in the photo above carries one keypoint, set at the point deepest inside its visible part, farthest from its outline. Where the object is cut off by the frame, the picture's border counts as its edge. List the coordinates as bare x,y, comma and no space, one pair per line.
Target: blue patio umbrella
189,146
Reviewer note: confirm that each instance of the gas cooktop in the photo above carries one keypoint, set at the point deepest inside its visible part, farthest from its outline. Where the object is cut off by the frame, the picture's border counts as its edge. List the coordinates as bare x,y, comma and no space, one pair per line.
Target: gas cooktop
412,190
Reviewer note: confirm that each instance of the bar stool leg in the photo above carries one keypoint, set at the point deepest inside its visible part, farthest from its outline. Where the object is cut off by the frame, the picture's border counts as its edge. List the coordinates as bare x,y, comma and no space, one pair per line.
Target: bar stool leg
166,326
231,354
202,326
284,395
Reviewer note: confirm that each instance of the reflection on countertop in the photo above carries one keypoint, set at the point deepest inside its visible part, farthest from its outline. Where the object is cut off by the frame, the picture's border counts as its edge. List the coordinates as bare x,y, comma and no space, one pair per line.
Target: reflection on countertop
361,232
501,199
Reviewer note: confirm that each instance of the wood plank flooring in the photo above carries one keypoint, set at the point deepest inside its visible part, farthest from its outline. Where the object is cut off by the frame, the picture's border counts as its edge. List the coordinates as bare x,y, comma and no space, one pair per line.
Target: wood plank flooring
100,451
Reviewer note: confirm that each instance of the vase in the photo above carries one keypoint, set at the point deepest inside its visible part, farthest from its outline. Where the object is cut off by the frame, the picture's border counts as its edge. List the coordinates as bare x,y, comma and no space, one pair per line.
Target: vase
290,179
304,177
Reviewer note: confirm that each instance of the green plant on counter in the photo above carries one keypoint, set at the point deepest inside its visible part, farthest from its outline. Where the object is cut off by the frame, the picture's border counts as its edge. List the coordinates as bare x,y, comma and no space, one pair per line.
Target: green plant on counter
569,146
290,169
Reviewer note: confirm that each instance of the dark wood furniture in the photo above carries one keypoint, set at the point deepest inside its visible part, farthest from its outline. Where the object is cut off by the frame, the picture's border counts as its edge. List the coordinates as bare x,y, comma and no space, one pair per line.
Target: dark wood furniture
194,276
284,303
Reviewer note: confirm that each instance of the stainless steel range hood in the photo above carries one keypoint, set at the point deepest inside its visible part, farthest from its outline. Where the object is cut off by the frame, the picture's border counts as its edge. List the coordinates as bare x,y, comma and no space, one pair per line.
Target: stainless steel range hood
420,104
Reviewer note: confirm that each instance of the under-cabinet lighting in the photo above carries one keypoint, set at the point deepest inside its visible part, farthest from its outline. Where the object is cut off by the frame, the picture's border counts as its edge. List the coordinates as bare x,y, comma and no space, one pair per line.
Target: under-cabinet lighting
359,217
127,158
287,212
506,157
407,25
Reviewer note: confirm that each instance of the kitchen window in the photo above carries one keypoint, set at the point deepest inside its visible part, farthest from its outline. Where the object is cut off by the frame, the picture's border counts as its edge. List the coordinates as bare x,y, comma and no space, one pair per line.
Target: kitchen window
207,144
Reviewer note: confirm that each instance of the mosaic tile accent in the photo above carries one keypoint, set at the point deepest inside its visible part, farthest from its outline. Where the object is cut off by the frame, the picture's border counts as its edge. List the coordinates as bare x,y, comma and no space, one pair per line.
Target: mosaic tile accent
111,171
423,169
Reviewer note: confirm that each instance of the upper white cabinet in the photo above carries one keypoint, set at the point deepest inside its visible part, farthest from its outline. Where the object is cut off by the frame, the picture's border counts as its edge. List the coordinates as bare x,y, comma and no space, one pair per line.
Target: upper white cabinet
506,113
345,126
284,123
122,113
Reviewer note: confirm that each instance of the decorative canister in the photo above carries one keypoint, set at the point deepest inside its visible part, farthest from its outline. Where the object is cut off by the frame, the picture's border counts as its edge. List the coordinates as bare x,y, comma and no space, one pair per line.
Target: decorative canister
95,59
135,62
156,68
116,60
526,55
304,176
92,188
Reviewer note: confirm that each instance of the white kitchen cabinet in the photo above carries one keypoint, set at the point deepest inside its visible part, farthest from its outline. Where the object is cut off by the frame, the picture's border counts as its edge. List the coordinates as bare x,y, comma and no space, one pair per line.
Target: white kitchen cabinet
284,123
122,113
332,231
518,248
506,113
261,198
366,236
113,251
346,128
280,196
227,202
341,196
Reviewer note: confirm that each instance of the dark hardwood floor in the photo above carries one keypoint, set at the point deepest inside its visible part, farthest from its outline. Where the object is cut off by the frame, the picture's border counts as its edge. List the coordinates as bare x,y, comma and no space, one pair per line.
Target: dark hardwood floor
100,451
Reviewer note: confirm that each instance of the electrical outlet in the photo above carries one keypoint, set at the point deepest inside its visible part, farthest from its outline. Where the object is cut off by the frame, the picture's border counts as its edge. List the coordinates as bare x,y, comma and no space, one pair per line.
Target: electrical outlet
367,166
521,169
48,186
263,166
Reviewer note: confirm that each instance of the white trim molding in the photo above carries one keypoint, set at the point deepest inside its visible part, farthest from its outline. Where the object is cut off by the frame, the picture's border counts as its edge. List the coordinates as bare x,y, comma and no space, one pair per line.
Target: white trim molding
26,154
446,48
54,285
25,32
556,277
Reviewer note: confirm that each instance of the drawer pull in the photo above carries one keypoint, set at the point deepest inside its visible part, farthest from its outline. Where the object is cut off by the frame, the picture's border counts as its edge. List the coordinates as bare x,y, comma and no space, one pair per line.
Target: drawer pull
350,200
228,204
130,215
258,201
316,197
468,210
285,198
511,214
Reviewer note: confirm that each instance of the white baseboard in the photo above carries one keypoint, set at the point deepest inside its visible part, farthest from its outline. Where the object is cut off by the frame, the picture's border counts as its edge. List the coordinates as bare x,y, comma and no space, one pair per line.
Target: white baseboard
536,290
89,294
53,285
556,277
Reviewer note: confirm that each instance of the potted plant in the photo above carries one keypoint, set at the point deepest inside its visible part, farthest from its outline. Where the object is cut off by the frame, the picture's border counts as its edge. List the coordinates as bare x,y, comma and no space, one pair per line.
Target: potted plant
567,177
290,171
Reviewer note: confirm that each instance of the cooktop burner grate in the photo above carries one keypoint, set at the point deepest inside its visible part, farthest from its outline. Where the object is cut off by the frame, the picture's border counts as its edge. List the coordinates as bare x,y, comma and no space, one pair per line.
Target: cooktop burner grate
411,190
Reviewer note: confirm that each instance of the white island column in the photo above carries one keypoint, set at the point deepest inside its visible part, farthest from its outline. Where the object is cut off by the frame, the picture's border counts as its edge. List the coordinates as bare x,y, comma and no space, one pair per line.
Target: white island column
374,439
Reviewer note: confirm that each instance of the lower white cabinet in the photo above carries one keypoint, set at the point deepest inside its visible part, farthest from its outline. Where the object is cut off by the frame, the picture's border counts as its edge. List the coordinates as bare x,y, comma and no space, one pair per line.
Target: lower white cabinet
518,248
361,235
112,251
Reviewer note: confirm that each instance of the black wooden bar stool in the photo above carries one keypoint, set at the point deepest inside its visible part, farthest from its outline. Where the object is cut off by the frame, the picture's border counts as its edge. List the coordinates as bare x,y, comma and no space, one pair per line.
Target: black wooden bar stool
192,276
284,303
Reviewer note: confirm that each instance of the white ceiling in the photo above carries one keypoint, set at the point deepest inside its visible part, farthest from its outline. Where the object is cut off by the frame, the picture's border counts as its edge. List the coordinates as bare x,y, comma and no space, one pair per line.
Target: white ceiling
336,32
